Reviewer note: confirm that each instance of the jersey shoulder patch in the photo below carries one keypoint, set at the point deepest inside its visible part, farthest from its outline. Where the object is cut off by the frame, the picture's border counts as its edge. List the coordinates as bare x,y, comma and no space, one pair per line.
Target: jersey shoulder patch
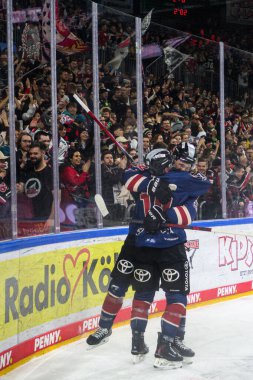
199,176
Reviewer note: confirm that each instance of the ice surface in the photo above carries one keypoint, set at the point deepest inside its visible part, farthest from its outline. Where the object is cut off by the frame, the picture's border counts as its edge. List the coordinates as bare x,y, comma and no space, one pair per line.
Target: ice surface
221,335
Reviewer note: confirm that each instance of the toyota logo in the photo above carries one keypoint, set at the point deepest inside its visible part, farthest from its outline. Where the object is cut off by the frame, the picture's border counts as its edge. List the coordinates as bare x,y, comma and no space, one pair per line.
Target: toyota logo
125,267
142,275
170,275
139,231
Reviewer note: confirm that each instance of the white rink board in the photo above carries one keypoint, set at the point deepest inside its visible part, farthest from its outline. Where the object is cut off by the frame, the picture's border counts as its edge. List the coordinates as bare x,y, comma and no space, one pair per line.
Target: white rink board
221,259
221,265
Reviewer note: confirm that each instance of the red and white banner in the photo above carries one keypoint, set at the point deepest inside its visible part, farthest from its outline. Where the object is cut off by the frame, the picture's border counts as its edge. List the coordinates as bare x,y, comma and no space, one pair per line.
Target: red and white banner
66,41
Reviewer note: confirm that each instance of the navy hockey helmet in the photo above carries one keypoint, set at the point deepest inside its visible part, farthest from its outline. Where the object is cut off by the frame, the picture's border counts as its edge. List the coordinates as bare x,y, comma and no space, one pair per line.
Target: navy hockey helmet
157,160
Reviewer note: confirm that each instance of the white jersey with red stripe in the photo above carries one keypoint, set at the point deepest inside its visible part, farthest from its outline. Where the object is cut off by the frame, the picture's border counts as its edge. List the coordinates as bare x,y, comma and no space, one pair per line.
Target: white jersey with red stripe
182,208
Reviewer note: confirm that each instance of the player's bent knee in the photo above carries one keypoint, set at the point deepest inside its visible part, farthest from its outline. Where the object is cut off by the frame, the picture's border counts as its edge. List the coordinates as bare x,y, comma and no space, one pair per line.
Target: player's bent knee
117,288
147,296
172,298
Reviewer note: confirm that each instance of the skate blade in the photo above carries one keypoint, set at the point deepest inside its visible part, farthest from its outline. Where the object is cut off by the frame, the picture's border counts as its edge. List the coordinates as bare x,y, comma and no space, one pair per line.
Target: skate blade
92,346
166,364
187,360
138,358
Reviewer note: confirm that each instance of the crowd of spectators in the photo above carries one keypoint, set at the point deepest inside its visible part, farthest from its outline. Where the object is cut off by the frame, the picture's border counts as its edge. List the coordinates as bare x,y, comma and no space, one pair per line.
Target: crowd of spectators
175,114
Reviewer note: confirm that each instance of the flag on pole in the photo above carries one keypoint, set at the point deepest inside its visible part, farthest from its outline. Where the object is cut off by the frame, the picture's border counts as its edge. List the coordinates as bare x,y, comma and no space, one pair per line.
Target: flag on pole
31,45
150,51
125,43
66,41
173,58
123,47
146,22
176,41
120,55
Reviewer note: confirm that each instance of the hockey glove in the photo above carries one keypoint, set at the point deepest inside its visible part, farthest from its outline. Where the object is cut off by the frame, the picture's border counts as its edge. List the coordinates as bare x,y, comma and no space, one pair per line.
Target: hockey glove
160,189
154,220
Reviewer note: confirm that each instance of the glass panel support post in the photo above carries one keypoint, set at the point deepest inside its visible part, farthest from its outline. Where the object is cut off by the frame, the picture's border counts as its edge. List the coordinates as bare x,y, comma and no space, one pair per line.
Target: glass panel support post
96,106
222,133
12,142
54,116
139,88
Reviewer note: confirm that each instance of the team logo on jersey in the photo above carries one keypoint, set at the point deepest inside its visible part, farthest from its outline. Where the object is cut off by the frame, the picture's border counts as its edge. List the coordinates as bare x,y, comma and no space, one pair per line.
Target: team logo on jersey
199,176
114,287
125,267
139,231
170,275
142,275
32,187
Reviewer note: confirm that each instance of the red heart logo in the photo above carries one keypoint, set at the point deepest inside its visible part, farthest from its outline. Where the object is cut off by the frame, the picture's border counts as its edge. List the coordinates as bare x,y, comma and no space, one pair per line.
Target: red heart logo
74,263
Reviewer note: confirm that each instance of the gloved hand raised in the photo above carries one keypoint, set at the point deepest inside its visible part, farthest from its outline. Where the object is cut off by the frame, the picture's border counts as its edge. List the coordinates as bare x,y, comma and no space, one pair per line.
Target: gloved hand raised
160,189
154,219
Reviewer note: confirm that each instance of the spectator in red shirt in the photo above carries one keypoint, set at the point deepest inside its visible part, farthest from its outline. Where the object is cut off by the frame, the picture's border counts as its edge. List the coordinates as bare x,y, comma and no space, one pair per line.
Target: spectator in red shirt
74,179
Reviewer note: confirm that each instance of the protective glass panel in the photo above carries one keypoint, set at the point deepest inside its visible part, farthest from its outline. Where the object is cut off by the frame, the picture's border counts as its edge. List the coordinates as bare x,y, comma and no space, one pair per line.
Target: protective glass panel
238,132
5,191
181,111
32,113
76,145
118,109
181,103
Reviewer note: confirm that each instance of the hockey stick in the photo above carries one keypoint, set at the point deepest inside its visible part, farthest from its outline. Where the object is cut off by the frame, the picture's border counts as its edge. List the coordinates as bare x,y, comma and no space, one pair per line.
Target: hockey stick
104,211
101,205
197,228
108,133
182,226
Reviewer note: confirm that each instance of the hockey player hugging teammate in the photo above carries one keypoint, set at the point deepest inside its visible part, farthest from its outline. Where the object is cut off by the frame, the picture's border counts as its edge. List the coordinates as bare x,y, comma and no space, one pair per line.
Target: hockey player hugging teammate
154,249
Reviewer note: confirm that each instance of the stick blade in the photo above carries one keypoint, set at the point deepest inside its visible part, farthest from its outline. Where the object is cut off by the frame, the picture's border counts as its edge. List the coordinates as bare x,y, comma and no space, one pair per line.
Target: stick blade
101,205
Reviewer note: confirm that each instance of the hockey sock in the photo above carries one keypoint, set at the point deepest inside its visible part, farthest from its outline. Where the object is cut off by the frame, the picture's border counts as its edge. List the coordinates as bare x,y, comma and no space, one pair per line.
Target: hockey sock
139,315
110,308
171,319
181,328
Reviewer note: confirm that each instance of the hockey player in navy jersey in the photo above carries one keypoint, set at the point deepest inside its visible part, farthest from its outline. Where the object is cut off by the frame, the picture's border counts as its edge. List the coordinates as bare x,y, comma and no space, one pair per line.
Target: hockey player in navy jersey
178,207
152,253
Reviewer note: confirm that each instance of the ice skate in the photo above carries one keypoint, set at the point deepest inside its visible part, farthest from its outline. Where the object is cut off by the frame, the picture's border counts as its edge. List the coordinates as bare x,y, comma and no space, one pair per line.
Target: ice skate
166,357
186,352
99,337
139,348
